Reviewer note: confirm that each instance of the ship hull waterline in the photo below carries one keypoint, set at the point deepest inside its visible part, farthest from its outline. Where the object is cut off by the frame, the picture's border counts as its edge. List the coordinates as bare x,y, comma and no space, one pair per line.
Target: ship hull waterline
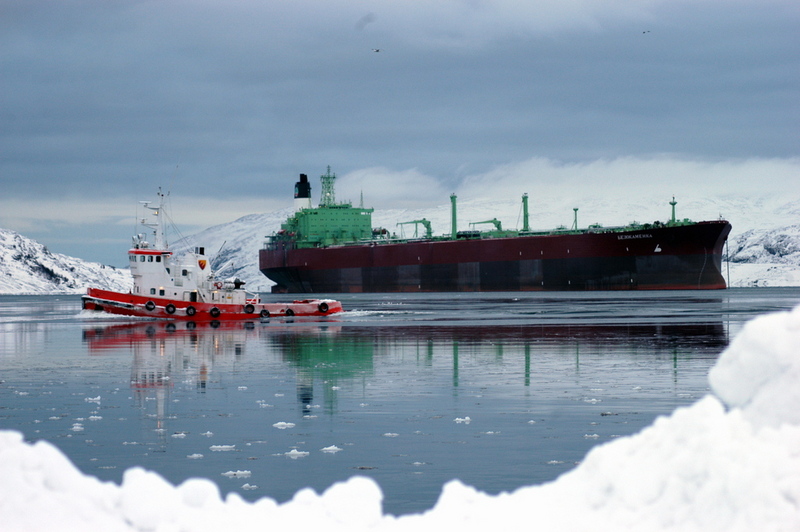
686,257
126,304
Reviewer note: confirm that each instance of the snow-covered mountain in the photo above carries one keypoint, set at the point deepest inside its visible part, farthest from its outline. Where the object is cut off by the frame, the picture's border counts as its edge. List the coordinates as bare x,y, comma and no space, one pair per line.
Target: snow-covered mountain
27,267
764,245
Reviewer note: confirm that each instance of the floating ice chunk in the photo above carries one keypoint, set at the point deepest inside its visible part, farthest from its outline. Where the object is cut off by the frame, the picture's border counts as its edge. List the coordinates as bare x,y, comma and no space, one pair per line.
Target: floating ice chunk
531,422
336,387
242,387
92,399
195,456
179,435
237,474
76,427
465,420
223,447
593,401
207,434
95,418
591,436
331,449
248,487
294,454
391,434
283,425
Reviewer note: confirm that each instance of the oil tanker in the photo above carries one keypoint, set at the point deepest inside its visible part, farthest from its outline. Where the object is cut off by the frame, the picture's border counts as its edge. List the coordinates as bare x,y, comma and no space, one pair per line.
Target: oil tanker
334,248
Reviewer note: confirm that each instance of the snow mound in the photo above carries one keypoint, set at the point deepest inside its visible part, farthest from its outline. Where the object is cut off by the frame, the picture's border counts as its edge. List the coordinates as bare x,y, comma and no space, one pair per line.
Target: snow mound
704,468
759,373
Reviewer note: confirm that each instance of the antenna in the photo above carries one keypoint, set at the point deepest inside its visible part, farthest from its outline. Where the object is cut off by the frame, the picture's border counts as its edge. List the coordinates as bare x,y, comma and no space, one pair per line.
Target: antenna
328,194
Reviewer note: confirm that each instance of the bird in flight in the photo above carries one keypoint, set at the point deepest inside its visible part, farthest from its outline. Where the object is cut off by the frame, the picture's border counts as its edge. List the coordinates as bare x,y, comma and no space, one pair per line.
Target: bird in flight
376,49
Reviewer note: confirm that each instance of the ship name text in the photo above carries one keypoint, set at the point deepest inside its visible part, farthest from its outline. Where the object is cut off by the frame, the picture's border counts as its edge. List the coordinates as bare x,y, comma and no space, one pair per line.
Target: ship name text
631,237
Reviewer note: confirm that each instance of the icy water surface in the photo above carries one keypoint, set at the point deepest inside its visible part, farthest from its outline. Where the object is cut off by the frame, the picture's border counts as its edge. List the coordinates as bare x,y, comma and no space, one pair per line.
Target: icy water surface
498,390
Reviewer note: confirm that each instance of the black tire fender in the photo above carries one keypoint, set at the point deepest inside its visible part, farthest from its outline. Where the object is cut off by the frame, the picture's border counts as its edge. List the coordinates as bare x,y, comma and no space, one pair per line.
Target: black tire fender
150,306
170,308
265,313
289,312
249,309
190,310
214,312
323,307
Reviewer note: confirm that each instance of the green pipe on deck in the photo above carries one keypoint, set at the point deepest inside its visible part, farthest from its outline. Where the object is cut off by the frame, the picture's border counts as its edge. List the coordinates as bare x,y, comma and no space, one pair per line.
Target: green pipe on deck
453,226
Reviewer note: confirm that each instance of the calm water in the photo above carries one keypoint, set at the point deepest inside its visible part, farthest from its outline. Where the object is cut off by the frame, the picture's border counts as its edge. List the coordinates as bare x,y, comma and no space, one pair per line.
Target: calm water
498,390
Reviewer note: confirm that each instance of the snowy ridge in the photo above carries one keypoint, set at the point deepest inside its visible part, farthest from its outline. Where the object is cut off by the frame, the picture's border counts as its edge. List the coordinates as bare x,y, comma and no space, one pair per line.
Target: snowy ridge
727,463
764,244
26,266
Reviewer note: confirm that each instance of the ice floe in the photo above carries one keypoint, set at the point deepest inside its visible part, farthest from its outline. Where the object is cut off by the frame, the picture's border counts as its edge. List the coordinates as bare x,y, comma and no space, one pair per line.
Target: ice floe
331,449
237,474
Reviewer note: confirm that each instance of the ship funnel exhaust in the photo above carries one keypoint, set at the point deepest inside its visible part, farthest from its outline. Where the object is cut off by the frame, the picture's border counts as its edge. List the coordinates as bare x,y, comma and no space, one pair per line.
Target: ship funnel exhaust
302,193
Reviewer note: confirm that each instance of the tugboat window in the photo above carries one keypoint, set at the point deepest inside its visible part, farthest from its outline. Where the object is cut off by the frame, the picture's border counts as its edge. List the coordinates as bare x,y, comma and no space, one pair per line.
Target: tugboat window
153,291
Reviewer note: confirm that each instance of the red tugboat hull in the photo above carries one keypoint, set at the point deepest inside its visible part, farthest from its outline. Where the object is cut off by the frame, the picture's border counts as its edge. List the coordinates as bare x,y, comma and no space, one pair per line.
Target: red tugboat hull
127,304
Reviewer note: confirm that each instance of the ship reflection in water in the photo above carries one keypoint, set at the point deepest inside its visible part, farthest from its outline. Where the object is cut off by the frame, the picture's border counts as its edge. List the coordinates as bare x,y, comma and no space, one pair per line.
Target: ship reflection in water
326,360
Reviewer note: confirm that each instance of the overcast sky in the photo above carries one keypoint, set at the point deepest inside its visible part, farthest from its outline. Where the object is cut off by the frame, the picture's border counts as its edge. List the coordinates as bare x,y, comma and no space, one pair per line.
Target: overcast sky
223,103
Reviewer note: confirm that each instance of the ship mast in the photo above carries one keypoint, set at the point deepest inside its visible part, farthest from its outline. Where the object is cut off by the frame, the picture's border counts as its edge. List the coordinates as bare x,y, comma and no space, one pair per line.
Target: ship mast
158,225
673,203
328,194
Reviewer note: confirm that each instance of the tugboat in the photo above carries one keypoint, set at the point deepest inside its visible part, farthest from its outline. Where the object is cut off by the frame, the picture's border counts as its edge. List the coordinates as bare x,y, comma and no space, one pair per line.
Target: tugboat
186,288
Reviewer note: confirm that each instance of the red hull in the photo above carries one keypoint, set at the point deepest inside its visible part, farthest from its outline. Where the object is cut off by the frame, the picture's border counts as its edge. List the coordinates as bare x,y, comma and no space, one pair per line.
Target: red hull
152,307
663,257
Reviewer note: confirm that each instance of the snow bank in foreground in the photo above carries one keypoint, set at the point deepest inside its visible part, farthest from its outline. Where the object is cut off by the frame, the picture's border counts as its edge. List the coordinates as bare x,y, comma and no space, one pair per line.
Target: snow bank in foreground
703,468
